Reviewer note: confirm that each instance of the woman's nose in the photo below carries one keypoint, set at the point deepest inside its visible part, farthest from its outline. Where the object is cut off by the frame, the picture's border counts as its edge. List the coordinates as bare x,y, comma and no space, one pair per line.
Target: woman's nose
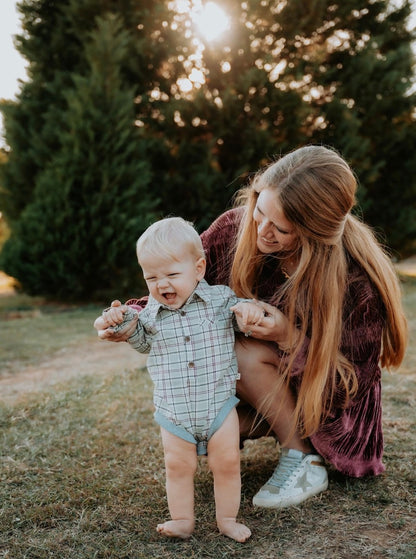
263,227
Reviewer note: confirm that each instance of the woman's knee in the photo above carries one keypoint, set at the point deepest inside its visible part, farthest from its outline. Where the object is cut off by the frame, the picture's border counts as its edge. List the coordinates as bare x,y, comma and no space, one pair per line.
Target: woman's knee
251,354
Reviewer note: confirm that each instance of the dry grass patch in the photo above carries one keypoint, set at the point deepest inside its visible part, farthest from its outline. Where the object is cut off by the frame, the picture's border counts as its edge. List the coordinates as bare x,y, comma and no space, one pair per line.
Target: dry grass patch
82,476
31,330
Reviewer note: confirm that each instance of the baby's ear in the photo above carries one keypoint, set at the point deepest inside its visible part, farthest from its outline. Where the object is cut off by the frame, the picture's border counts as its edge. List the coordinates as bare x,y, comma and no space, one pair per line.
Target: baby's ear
200,266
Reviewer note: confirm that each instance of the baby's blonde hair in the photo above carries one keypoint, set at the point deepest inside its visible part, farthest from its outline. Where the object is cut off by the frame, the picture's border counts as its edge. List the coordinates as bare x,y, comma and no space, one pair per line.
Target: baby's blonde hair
168,238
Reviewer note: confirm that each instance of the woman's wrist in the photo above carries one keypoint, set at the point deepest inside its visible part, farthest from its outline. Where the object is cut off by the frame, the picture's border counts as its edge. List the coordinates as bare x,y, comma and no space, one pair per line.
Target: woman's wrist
287,344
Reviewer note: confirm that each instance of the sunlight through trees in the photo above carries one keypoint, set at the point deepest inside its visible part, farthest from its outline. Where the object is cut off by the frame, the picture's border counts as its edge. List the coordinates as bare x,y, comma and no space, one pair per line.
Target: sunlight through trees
193,114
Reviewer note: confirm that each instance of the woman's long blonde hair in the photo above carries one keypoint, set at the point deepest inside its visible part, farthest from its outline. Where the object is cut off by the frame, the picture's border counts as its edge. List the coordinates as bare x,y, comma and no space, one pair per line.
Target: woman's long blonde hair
316,189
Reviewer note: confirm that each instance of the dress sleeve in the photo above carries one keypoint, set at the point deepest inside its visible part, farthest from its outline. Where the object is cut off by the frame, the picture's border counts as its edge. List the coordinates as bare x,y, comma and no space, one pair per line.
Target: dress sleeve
218,242
137,304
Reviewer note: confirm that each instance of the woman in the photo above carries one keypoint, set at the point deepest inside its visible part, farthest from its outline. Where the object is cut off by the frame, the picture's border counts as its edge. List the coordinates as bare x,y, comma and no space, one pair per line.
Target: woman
310,371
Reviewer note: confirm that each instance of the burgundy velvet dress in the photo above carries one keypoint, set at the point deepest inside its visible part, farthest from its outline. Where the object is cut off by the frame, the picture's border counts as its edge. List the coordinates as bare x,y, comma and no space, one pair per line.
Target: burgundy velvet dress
351,439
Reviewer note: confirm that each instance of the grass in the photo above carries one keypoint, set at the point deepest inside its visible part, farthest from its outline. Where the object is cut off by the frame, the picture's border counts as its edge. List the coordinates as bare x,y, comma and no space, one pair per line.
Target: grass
40,330
82,477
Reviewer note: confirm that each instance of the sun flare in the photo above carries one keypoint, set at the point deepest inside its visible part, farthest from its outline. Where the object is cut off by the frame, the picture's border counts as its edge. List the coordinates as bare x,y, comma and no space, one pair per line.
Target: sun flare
205,23
211,21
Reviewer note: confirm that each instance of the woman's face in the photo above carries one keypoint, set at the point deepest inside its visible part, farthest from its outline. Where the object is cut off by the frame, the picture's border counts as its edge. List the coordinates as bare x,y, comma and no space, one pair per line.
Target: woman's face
274,232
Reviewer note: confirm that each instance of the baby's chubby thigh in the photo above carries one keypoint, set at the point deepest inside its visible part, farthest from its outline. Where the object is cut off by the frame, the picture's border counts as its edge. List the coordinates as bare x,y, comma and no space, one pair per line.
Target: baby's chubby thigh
180,454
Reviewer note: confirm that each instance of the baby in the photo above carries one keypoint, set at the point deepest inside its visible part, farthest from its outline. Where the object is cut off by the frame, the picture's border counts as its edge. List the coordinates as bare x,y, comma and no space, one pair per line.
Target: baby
187,327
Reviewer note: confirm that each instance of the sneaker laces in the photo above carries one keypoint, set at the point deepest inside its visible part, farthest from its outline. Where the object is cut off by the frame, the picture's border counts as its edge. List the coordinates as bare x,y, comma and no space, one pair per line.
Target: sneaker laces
285,469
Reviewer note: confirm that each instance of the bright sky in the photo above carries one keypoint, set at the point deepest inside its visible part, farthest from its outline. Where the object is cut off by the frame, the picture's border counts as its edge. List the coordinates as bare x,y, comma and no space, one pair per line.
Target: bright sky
12,65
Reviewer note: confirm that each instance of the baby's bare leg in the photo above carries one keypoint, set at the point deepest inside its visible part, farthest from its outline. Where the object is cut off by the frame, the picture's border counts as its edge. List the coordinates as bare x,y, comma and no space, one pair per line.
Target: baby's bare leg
224,461
181,463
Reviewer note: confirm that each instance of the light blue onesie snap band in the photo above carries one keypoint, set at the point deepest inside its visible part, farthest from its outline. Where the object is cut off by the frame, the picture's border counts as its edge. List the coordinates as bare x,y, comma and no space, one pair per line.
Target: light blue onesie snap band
200,442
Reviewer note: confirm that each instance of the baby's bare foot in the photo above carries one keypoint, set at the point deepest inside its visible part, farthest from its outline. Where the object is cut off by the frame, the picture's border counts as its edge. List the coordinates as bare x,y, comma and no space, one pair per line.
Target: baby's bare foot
176,528
234,530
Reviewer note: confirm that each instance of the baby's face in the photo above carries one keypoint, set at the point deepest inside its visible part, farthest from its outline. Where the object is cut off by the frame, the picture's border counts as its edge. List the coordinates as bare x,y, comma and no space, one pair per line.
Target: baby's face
170,281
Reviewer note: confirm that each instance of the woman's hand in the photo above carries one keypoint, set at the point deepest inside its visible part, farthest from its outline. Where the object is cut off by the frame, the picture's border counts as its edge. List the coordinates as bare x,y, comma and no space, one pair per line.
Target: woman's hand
112,317
273,327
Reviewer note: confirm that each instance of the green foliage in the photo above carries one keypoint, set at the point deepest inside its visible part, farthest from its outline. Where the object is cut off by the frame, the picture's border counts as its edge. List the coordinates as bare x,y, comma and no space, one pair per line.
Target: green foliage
370,114
94,185
4,231
32,124
297,73
78,173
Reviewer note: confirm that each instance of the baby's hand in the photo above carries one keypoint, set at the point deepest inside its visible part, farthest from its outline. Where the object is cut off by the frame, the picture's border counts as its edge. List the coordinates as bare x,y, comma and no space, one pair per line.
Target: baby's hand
114,315
109,318
248,314
109,324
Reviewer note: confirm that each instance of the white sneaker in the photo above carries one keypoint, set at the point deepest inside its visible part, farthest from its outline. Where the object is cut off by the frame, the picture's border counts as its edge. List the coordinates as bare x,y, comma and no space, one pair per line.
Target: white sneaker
297,477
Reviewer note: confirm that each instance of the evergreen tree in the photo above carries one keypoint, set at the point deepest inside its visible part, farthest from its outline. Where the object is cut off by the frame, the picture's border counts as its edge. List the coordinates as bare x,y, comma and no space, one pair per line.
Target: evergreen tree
52,42
76,237
32,123
298,72
285,74
360,69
